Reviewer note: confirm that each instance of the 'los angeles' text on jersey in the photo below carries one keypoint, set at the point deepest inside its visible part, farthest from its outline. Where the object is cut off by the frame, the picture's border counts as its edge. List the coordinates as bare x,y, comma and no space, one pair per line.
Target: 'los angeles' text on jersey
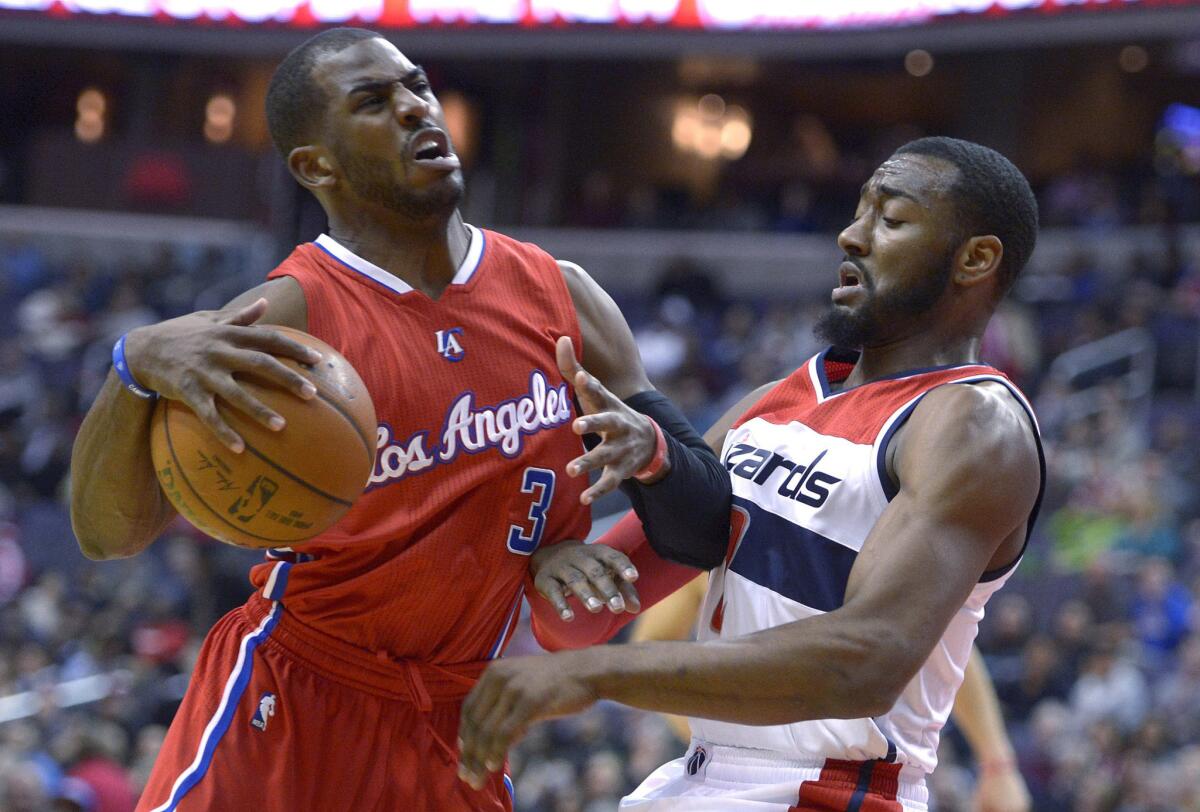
471,428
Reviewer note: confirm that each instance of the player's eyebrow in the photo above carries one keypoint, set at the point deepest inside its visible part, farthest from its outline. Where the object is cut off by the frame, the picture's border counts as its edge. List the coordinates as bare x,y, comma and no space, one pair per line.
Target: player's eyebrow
375,85
887,190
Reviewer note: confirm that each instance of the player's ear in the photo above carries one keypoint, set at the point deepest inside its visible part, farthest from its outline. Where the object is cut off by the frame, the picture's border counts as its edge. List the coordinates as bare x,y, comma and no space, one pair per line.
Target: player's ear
311,166
978,260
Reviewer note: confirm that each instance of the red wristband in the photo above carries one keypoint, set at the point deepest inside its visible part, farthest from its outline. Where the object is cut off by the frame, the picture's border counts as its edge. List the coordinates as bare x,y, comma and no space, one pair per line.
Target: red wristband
658,460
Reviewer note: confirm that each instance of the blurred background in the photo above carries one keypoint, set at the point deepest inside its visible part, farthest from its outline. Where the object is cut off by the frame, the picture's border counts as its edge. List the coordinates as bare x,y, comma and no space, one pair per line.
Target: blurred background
697,157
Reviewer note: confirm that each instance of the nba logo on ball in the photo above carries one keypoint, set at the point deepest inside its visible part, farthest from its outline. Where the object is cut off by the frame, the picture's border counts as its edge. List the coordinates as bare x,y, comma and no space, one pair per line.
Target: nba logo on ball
448,344
266,709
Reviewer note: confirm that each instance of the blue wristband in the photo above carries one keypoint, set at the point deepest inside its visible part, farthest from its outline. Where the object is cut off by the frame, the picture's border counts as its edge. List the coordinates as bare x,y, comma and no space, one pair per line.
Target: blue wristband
122,368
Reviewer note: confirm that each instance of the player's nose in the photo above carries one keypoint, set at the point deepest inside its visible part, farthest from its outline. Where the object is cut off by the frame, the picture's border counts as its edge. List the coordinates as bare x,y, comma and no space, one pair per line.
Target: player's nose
853,239
411,109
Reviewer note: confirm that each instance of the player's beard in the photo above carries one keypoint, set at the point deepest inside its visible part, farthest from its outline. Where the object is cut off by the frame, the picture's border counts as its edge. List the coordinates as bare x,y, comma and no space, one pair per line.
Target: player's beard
376,184
879,316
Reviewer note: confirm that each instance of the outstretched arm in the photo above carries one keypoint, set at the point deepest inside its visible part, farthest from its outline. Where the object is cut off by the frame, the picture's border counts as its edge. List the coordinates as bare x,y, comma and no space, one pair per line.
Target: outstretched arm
584,572
673,619
117,507
969,475
1000,787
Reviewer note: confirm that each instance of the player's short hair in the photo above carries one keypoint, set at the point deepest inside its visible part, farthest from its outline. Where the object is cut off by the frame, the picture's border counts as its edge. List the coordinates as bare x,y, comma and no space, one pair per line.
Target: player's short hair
294,101
991,197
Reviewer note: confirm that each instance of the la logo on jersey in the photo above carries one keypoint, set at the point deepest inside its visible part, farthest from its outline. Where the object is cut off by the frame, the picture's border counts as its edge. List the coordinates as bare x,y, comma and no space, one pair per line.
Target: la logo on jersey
266,709
449,345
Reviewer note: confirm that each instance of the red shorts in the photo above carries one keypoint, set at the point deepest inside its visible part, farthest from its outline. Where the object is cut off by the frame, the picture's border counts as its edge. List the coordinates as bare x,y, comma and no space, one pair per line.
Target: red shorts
279,718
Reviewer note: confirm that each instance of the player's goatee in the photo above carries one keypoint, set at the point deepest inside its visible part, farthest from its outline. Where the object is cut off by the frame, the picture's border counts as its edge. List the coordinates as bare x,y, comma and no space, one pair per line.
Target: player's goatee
875,319
375,186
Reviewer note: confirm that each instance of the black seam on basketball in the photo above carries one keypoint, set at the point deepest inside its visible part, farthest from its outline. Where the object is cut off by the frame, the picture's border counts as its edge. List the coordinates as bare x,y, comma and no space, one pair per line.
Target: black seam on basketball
192,488
292,476
338,408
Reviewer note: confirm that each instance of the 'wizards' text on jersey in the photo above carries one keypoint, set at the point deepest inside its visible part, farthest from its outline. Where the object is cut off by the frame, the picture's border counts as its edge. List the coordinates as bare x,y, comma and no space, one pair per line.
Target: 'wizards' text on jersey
473,441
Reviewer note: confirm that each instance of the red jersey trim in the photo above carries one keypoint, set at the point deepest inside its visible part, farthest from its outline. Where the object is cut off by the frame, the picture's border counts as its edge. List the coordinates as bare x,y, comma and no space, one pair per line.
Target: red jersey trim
857,414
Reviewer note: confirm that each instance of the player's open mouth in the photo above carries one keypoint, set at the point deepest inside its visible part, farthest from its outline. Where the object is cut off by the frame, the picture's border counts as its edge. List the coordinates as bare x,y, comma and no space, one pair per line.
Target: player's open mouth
431,149
850,282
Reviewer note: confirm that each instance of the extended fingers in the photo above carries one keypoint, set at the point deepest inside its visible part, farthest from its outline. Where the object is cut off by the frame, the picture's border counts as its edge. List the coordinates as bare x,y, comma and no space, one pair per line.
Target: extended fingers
624,575
271,369
551,589
600,579
274,342
616,561
203,404
608,482
600,456
228,389
576,581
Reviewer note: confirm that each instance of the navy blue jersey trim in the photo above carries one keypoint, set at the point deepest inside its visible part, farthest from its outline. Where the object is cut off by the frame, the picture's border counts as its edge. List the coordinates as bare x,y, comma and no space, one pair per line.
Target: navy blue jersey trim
864,784
1000,572
791,560
851,357
889,488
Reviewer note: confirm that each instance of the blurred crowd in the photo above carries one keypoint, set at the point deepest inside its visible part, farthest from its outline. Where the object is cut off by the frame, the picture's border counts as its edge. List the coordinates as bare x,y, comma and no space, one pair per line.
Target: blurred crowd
1093,646
808,182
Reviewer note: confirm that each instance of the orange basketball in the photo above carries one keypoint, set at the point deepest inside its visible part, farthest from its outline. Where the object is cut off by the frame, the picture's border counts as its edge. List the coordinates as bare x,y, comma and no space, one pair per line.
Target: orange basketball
286,486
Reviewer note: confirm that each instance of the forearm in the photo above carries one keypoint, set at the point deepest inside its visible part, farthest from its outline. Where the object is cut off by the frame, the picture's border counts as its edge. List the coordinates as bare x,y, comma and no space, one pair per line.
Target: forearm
117,506
685,513
818,668
977,714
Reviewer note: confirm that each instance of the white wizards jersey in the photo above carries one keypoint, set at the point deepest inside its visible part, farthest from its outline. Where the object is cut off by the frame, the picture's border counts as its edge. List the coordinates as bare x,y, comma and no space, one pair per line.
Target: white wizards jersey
808,467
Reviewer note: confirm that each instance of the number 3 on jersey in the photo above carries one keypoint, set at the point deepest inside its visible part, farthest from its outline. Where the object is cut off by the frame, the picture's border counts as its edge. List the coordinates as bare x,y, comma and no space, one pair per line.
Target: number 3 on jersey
541,482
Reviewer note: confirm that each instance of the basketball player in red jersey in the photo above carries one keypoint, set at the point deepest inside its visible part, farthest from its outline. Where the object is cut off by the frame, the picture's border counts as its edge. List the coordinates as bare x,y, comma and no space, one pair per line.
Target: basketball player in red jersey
338,684
882,493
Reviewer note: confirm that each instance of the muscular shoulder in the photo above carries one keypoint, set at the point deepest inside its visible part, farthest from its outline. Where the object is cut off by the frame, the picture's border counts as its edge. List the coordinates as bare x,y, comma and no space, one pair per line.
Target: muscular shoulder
584,290
609,351
970,444
286,305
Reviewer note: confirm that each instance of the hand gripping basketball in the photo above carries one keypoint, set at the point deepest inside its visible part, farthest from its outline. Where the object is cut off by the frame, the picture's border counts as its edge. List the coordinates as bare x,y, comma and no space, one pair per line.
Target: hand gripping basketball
193,359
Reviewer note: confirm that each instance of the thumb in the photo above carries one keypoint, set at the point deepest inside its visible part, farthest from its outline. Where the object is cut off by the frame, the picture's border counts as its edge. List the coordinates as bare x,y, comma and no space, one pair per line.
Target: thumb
568,364
248,314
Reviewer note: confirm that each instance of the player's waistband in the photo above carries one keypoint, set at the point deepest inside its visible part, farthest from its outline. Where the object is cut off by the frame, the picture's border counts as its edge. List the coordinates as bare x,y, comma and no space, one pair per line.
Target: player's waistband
421,683
750,765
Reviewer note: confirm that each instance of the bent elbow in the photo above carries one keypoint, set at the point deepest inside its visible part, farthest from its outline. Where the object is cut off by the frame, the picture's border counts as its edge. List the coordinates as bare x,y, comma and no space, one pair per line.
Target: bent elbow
879,699
874,683
97,545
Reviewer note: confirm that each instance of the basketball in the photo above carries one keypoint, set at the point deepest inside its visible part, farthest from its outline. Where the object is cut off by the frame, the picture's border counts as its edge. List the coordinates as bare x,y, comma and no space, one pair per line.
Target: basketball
286,486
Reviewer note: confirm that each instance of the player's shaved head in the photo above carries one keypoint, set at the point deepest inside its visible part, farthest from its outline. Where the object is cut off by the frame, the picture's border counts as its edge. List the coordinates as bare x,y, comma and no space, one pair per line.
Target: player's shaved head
294,99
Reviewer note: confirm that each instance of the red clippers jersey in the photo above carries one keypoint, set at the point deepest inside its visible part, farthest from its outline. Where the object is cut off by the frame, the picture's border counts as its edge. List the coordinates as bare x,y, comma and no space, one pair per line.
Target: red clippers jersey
474,436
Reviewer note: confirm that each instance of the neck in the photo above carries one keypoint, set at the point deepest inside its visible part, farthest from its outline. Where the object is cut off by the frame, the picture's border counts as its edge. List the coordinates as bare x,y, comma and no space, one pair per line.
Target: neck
426,255
926,348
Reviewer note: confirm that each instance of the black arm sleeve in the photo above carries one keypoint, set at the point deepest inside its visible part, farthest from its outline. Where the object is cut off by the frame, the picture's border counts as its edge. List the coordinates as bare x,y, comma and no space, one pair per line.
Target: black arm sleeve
686,513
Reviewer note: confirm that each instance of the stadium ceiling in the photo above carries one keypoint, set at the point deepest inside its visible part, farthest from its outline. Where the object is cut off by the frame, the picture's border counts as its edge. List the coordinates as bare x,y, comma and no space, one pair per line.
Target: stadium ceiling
585,40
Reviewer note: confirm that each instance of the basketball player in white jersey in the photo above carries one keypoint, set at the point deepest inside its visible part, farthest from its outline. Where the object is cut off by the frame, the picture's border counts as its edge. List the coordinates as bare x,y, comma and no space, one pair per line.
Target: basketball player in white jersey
880,495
